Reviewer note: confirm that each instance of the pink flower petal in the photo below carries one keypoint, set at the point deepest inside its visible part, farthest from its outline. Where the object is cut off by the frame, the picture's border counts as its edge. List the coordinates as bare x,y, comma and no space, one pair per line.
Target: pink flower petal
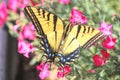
44,73
60,74
98,60
77,17
25,48
44,70
109,42
105,54
67,70
28,33
64,1
40,67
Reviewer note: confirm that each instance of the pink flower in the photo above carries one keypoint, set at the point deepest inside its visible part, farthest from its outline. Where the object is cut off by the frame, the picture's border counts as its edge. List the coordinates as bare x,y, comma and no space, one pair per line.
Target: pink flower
44,70
14,5
3,13
98,60
105,28
109,42
77,17
28,32
105,54
25,48
64,1
67,70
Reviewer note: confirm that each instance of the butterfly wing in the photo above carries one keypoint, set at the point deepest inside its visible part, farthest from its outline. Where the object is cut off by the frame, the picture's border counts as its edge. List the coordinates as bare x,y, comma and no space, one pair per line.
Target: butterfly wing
48,24
83,36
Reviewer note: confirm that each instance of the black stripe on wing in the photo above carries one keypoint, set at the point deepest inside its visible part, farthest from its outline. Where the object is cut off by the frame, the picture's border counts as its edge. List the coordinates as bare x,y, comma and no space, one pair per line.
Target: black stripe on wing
92,40
34,19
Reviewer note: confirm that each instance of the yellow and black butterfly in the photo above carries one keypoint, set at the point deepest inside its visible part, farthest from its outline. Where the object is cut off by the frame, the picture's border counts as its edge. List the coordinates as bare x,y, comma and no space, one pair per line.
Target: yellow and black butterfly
58,39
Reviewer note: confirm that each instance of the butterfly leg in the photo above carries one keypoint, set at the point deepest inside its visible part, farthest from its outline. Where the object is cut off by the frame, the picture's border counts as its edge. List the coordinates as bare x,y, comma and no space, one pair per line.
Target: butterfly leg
43,58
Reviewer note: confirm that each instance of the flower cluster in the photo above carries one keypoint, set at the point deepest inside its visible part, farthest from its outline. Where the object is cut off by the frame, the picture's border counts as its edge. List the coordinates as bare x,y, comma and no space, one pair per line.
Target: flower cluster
44,71
27,32
108,43
106,29
101,60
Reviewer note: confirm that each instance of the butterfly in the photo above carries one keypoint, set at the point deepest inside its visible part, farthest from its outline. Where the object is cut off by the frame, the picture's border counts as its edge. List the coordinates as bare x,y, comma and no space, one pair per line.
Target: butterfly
60,40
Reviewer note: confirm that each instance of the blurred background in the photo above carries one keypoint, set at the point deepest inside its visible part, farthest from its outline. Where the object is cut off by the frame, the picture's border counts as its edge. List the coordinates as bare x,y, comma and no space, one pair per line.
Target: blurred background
12,65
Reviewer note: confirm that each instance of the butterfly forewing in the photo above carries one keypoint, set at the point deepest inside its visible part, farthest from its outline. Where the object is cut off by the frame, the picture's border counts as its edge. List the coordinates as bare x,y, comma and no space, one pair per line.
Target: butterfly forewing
83,36
46,23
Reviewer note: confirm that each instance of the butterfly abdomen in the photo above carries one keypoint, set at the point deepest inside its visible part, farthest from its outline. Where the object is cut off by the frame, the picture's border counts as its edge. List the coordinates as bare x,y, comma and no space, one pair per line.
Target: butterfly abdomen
47,49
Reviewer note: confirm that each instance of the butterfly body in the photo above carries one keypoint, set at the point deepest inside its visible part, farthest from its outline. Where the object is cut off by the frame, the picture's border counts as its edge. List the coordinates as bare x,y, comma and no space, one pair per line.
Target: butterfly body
51,55
59,40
